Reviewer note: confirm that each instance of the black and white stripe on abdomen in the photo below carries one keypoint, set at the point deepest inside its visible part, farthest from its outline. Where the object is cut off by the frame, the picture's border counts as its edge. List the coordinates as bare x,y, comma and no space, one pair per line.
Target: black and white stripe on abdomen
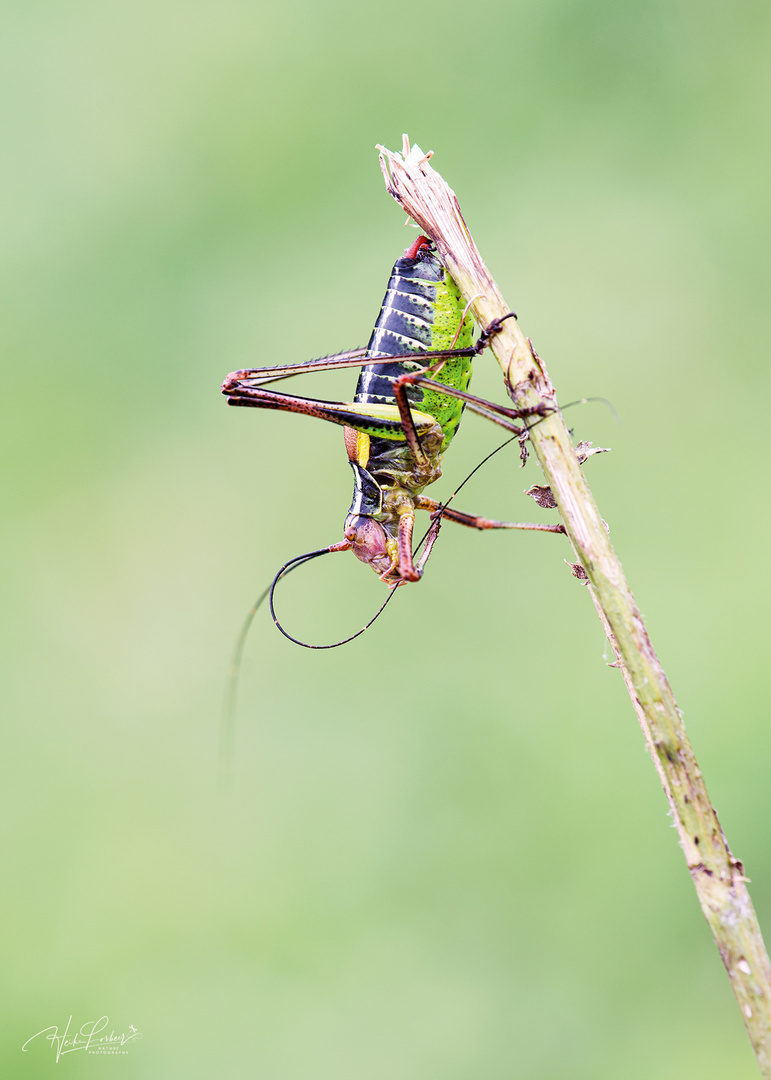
404,325
375,385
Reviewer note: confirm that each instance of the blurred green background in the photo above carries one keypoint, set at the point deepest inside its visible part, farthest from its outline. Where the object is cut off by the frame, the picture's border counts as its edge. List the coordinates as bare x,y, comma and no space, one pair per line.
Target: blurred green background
440,857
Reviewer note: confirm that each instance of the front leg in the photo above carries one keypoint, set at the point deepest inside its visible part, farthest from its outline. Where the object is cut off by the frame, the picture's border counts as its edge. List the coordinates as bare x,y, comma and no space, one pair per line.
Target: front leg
472,521
407,569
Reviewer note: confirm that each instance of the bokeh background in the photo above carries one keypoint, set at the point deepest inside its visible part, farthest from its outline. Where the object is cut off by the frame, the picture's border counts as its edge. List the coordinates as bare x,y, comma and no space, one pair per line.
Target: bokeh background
444,852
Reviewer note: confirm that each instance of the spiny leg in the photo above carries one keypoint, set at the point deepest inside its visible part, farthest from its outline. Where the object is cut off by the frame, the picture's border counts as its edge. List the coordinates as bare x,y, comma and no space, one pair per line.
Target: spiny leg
407,569
383,420
473,521
348,359
490,410
248,387
245,387
336,362
438,512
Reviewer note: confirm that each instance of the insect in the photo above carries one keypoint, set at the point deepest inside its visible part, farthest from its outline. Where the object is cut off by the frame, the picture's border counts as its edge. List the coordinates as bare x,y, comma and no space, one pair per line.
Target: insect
411,393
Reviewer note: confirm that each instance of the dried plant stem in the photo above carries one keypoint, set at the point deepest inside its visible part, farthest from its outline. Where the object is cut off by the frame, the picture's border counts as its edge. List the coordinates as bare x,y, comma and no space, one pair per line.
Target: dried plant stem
717,875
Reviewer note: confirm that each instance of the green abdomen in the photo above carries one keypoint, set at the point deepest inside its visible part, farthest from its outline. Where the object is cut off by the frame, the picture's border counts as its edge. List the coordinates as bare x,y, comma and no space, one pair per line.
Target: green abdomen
421,312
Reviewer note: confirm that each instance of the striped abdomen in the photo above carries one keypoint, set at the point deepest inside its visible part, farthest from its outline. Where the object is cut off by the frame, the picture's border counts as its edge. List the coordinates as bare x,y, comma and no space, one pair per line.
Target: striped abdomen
421,311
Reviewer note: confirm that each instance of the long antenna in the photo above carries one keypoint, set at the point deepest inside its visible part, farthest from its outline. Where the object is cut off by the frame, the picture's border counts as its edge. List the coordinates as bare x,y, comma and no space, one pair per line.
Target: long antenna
292,565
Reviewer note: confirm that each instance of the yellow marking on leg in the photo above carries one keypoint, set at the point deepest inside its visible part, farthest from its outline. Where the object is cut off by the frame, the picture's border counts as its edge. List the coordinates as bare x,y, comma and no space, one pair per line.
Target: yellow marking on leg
357,446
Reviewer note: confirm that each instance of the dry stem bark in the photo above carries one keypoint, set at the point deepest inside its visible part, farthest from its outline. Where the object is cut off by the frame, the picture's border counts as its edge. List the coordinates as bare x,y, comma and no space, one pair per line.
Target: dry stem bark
717,875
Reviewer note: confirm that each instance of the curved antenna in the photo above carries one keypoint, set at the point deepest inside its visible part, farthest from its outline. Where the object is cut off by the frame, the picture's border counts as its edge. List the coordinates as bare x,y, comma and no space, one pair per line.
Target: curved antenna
579,401
514,438
293,564
227,726
227,723
591,400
